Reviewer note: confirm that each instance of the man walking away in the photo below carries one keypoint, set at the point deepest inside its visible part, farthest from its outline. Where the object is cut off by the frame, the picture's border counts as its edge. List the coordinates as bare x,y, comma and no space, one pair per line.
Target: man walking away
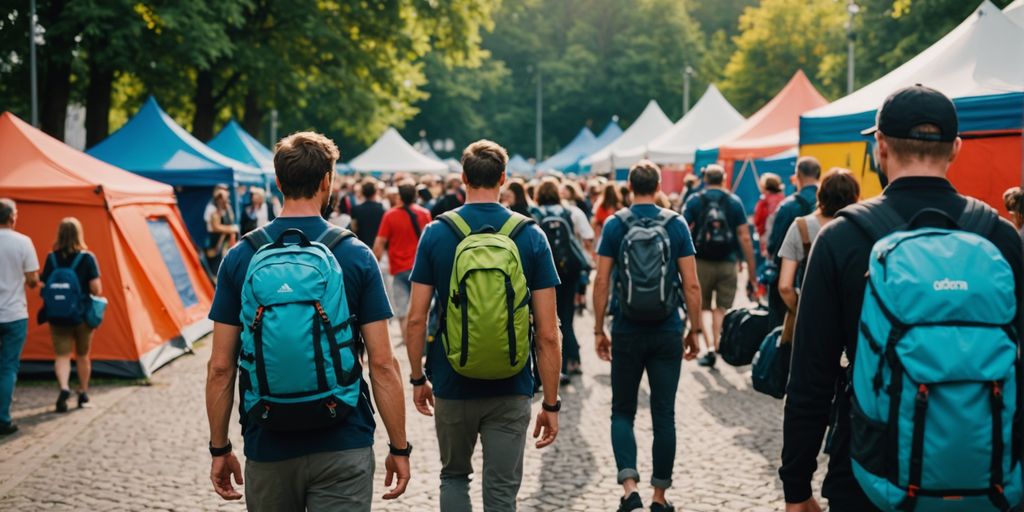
306,419
454,197
801,203
367,215
400,231
650,250
19,268
915,142
491,270
720,231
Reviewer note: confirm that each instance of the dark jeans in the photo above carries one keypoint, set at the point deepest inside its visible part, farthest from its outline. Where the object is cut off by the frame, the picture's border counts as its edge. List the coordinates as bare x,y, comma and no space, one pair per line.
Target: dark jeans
565,300
660,354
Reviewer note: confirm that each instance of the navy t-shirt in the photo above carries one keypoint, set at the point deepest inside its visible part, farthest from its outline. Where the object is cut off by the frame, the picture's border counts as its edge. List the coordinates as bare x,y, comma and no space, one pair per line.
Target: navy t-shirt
734,213
433,267
367,299
681,246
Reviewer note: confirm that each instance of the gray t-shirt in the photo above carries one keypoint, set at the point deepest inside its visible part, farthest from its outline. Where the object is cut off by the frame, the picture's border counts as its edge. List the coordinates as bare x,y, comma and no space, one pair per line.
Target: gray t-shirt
793,246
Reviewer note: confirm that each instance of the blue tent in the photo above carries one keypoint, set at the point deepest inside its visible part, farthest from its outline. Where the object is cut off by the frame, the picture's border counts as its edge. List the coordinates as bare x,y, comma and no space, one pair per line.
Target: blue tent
234,142
520,166
747,174
607,136
152,145
571,153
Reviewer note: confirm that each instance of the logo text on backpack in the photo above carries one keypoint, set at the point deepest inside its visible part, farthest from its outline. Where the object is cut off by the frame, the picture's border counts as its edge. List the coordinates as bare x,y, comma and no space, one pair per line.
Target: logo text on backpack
949,285
285,289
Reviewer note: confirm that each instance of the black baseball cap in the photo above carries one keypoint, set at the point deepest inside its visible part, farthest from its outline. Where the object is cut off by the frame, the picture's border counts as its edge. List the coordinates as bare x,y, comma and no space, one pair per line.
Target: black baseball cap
913,106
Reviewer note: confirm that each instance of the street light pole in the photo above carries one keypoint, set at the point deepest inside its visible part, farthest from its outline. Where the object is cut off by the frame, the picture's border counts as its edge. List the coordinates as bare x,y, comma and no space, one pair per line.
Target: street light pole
687,73
273,127
32,62
851,37
540,116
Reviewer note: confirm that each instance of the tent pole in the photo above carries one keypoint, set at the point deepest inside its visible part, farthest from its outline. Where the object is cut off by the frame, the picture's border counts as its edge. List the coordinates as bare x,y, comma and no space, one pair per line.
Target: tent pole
540,115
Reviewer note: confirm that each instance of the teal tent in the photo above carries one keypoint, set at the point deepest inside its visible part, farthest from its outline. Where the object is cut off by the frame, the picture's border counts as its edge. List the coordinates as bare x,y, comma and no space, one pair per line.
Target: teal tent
571,153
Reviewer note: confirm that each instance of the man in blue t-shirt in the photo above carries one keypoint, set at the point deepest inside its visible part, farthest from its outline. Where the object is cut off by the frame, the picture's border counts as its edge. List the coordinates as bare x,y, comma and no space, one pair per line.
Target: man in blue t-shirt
802,202
330,468
496,411
719,270
657,347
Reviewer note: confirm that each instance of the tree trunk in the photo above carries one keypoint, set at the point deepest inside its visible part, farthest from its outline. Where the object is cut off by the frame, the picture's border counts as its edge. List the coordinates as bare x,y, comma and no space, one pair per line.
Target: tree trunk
202,123
252,119
54,72
97,104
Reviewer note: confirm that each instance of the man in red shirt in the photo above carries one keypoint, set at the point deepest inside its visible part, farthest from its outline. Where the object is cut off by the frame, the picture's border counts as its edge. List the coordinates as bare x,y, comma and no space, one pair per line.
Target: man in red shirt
399,232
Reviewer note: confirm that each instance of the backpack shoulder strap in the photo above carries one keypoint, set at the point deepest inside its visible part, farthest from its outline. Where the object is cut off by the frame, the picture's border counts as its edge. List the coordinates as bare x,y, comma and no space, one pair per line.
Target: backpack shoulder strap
333,236
457,224
415,222
876,218
978,218
625,215
53,261
77,260
258,238
805,235
665,216
515,225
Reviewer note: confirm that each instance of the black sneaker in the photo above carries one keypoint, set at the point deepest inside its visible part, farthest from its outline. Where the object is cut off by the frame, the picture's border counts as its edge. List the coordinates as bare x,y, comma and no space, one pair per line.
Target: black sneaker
564,379
631,504
83,399
658,507
708,360
7,429
62,400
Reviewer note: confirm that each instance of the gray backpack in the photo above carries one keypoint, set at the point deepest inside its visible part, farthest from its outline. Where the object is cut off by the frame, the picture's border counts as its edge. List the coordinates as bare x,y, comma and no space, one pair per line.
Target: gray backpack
645,284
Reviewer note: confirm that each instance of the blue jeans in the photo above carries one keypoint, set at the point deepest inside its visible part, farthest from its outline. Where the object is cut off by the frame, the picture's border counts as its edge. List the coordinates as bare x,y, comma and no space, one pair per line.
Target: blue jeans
660,354
565,304
12,340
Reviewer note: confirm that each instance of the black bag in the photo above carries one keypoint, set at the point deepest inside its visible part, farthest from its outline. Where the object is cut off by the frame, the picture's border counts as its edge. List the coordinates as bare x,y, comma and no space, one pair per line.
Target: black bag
771,365
715,239
558,228
645,284
742,333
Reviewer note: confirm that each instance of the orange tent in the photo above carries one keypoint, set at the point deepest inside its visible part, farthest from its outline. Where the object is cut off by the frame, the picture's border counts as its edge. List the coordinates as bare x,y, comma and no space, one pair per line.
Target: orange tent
158,293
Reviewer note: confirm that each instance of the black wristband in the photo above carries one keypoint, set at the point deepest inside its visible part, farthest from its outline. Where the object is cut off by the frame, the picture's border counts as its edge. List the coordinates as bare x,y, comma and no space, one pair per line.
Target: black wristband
405,452
552,408
418,382
219,452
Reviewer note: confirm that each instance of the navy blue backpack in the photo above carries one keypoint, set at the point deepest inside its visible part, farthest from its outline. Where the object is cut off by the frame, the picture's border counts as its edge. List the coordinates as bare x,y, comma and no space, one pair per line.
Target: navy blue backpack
63,297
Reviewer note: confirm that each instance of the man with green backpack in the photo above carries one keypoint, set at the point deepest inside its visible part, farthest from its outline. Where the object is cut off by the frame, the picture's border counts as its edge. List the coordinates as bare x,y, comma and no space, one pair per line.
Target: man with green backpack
492,271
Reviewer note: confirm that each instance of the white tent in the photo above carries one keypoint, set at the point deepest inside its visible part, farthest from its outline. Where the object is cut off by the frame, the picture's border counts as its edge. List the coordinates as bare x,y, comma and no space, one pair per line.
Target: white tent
391,153
1016,12
709,119
651,123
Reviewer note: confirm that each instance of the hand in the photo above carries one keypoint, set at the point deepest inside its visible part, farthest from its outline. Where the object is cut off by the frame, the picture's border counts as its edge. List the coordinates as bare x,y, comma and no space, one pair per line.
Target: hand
691,347
546,429
739,267
423,398
603,346
808,506
221,470
753,289
397,469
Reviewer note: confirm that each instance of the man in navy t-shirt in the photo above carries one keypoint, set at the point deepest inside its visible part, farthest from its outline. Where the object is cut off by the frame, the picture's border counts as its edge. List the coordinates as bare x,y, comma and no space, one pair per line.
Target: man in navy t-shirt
496,411
654,347
326,469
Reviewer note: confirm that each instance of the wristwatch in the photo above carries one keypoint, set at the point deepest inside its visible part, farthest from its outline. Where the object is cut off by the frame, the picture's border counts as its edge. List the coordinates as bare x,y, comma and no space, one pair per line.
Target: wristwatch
405,452
219,452
418,382
552,408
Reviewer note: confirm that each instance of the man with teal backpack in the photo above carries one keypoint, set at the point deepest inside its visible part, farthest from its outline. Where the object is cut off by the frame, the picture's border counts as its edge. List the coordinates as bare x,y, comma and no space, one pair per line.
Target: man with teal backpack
921,288
297,303
491,270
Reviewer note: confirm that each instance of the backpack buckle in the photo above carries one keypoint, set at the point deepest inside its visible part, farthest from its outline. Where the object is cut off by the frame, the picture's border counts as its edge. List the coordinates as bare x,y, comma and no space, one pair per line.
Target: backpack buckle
922,394
332,408
323,314
912,490
266,412
997,389
258,318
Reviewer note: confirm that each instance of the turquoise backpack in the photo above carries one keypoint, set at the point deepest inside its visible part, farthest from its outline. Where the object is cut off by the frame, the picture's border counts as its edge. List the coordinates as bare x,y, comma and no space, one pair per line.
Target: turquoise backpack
298,363
934,422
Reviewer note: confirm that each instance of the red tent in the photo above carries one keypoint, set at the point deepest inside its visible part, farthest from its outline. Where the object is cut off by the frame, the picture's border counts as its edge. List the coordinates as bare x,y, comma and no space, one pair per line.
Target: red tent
158,293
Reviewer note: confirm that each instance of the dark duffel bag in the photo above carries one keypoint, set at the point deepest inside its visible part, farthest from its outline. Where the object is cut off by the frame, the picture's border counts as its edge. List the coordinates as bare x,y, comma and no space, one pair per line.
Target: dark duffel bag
742,332
770,373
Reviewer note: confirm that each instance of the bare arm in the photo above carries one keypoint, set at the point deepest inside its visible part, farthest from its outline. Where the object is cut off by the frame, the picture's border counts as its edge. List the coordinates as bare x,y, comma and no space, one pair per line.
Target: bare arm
691,291
787,279
217,226
378,247
32,279
95,287
416,332
602,283
220,380
549,362
386,380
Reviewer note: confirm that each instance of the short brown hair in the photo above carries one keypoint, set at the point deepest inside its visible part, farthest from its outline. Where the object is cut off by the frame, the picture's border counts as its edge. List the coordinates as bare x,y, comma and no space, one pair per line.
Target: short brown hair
407,192
483,164
644,177
369,188
301,160
714,175
771,182
70,238
808,167
548,193
838,190
1012,199
915,149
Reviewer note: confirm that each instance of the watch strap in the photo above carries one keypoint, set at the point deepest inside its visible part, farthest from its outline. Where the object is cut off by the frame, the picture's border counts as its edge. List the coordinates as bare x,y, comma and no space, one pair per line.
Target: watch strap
404,452
552,408
418,382
219,452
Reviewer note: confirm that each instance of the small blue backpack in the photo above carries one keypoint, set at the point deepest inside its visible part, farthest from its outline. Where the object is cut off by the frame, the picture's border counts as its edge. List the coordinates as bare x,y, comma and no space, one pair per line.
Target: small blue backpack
298,362
934,422
63,297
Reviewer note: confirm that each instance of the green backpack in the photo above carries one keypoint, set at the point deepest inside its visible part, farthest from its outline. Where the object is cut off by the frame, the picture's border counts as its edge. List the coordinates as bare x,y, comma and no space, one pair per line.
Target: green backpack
486,322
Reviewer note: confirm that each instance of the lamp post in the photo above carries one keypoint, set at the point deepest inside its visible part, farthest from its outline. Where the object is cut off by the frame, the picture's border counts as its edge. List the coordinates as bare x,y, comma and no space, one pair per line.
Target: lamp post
851,37
687,73
32,61
540,116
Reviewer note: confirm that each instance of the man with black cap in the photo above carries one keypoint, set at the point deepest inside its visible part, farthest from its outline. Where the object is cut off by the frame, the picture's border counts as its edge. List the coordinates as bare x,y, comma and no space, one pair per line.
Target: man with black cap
915,140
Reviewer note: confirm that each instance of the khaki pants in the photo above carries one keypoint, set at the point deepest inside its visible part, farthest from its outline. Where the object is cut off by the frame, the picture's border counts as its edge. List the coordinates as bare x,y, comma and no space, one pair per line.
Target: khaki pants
718,277
322,481
64,336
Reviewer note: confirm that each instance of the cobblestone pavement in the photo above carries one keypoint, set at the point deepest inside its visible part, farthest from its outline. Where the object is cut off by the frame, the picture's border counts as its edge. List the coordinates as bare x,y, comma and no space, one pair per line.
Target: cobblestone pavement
144,447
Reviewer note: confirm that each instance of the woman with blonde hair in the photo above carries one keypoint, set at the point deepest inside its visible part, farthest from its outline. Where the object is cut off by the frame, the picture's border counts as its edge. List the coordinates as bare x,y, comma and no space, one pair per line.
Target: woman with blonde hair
222,233
70,254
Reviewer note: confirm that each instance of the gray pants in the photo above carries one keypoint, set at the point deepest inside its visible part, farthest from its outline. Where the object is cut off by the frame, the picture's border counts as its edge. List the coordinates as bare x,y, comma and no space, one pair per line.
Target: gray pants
501,424
322,481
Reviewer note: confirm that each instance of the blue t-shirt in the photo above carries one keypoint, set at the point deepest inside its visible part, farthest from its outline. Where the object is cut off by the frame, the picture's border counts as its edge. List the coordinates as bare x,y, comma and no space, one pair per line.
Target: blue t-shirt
681,246
433,267
366,299
734,214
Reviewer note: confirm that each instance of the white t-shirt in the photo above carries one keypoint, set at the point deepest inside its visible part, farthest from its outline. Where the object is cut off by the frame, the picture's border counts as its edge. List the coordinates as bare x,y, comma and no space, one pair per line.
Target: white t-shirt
17,257
792,245
580,224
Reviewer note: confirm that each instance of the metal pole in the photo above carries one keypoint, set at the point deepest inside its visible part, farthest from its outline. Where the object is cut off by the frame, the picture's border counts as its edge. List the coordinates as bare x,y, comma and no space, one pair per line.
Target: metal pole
273,127
852,8
32,61
540,116
686,89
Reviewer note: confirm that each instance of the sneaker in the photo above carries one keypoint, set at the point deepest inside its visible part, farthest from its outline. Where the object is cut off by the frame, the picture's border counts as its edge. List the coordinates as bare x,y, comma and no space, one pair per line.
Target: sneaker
83,399
658,507
7,429
62,400
708,360
564,379
631,504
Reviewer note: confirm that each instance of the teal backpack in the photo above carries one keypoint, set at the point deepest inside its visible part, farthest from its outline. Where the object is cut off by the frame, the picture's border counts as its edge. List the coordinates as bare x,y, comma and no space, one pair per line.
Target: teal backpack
298,361
934,412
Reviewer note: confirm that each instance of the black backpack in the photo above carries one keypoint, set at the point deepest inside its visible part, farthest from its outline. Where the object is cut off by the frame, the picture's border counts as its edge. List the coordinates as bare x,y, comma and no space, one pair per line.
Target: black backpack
645,286
554,220
742,332
714,239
